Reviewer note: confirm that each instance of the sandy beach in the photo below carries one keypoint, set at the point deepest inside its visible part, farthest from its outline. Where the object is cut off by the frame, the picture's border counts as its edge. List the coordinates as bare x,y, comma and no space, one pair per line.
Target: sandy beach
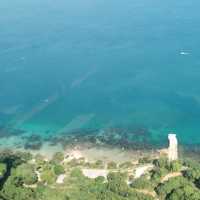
89,151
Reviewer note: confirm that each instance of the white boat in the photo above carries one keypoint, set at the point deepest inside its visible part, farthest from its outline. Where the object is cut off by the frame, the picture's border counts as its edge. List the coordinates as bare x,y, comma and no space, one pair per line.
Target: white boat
184,53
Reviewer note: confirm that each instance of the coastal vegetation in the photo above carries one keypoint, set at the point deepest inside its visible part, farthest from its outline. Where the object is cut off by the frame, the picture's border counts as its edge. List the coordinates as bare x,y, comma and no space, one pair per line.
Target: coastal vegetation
24,176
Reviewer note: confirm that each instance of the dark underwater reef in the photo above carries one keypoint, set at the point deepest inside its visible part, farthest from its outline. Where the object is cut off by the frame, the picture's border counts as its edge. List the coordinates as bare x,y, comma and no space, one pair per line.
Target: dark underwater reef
127,138
130,138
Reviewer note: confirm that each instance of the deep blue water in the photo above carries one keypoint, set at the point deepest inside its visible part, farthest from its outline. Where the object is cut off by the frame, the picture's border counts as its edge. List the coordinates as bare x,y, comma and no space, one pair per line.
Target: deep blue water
94,64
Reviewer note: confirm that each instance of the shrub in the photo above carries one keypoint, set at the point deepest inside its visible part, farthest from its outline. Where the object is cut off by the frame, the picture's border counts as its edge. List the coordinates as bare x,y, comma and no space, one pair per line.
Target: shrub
14,159
73,163
192,174
81,161
141,183
191,164
99,164
112,165
14,190
166,188
158,173
131,178
145,160
126,165
48,176
2,169
26,173
40,160
99,179
117,176
116,183
25,156
58,157
197,183
59,169
133,195
186,192
76,172
175,166
161,162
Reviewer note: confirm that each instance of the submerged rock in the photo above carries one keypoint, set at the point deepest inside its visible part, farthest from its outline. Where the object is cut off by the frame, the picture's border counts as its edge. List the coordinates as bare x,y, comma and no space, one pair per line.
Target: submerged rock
33,142
6,132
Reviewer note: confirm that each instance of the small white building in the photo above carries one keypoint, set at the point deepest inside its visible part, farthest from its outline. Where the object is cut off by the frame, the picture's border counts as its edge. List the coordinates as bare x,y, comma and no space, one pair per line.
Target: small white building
173,147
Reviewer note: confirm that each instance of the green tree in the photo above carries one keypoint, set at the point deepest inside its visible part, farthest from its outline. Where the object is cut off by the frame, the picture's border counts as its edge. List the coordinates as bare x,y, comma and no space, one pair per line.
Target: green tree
58,169
13,189
14,158
186,192
161,162
3,169
112,165
158,173
26,172
175,166
145,160
48,176
166,188
116,183
192,174
141,183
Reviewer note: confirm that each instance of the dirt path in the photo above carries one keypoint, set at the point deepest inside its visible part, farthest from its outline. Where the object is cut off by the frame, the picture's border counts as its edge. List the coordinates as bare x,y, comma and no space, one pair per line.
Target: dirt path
147,192
170,175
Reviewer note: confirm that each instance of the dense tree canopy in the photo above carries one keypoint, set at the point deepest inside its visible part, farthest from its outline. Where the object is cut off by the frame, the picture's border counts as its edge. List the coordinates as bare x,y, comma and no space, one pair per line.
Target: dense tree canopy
20,181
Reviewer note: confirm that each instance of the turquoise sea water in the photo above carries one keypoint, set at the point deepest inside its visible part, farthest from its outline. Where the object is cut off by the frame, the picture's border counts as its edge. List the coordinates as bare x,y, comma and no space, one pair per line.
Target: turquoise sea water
93,64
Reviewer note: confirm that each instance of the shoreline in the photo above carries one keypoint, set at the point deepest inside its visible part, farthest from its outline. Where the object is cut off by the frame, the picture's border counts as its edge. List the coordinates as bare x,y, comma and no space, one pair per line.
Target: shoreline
89,151
92,150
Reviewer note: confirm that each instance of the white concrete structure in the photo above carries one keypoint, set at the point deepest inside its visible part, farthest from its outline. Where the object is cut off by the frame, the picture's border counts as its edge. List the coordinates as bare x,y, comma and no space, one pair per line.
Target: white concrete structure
142,170
173,147
60,179
94,173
